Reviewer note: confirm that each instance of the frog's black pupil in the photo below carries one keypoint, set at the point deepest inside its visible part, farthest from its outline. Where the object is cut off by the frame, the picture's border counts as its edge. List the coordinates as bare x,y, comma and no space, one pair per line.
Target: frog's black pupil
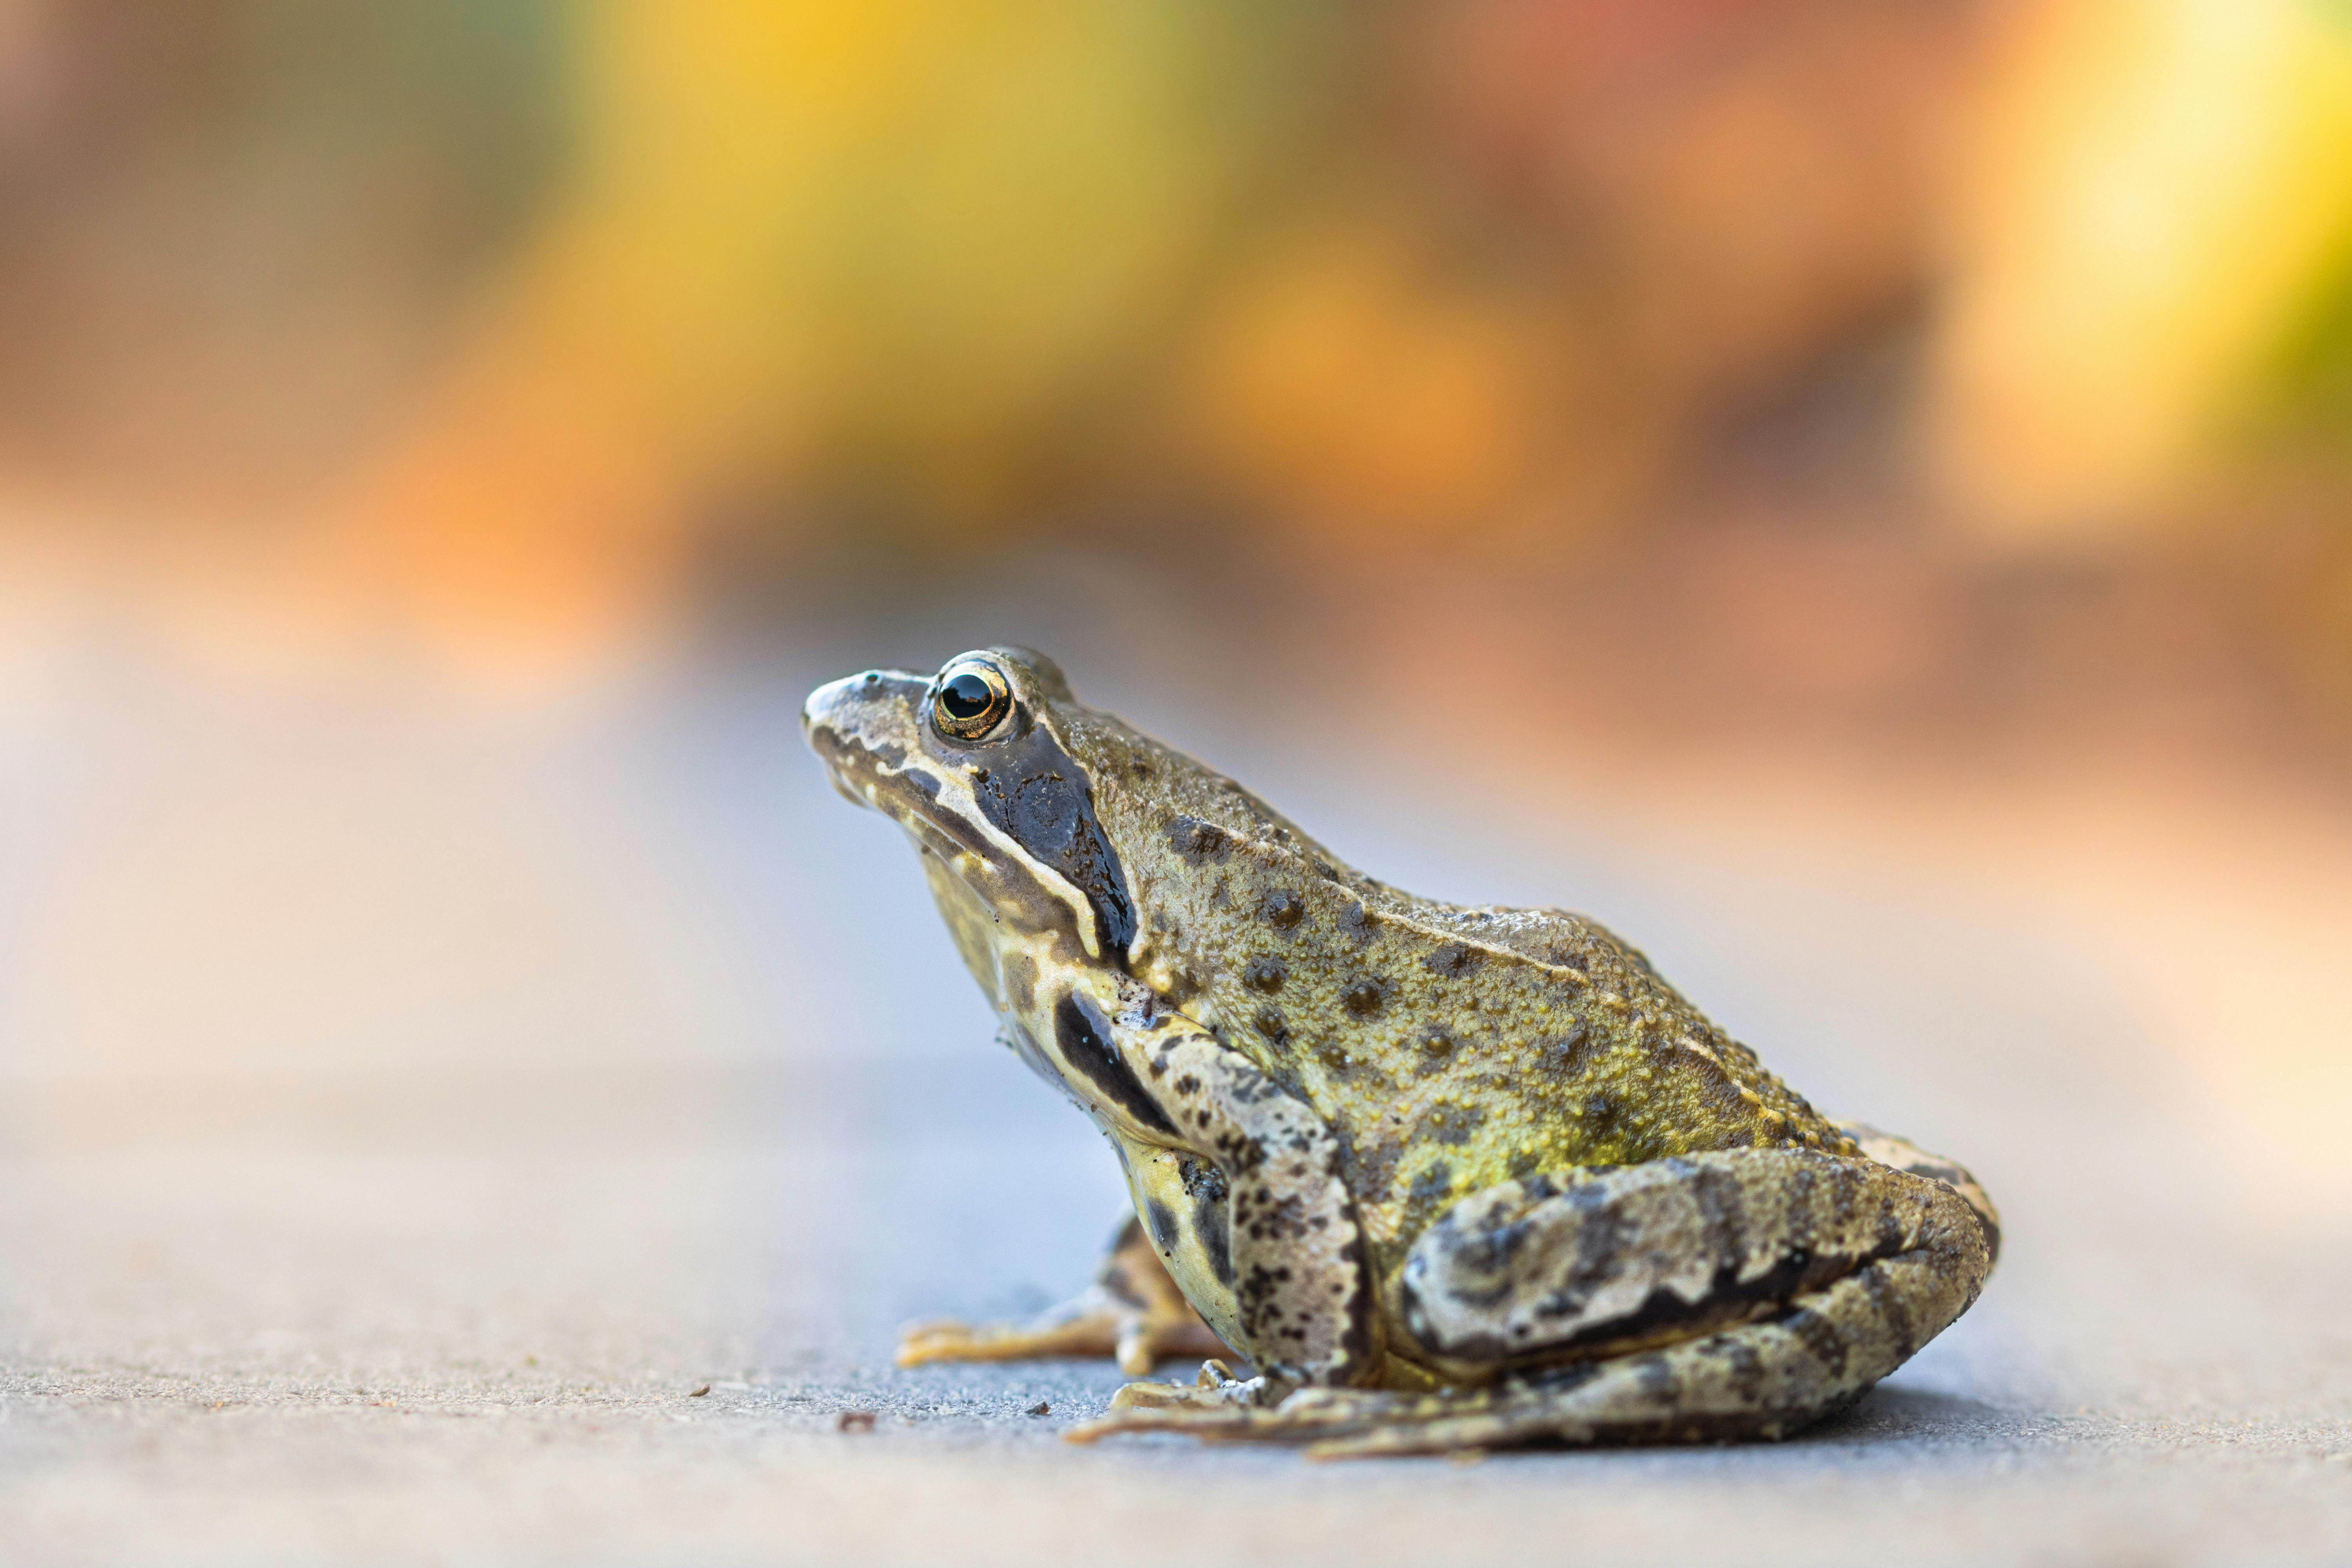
966,696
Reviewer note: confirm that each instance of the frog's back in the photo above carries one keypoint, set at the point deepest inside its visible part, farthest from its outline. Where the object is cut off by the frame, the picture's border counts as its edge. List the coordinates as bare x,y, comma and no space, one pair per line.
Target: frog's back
1450,1047
1514,1041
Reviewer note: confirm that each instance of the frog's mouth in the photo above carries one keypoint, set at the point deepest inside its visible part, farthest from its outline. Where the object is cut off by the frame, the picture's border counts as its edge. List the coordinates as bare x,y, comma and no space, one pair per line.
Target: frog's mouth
864,728
868,730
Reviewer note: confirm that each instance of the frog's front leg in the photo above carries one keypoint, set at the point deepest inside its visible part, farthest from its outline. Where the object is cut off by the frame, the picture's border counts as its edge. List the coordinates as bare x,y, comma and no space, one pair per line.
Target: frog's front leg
1238,1185
1133,1312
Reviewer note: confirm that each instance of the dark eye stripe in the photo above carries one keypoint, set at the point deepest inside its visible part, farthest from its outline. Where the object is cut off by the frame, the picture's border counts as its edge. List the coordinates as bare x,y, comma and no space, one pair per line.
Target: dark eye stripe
1036,795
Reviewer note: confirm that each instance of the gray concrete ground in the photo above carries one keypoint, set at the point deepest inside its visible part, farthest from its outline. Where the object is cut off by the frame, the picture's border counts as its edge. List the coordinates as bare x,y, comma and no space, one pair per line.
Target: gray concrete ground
455,1139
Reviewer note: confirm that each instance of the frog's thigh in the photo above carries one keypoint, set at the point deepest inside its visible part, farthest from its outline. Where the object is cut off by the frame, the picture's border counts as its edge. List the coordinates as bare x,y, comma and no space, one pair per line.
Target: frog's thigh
1730,1294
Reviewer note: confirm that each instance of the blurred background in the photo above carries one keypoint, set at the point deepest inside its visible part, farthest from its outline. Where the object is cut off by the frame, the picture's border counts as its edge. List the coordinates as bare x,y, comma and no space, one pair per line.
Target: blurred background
1856,494
1979,361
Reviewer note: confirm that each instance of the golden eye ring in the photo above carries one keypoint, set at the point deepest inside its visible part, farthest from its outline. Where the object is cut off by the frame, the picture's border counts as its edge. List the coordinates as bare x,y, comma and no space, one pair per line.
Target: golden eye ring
971,700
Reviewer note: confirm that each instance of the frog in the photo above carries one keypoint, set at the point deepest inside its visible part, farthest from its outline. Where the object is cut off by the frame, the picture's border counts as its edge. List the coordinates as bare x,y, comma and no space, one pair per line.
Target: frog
1440,1178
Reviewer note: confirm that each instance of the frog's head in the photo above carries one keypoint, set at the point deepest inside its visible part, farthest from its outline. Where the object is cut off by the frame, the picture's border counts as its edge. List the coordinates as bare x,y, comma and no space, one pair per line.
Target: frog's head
976,763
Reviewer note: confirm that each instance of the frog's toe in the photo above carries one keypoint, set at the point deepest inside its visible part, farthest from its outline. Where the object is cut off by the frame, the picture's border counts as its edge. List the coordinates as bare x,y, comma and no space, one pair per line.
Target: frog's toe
1133,1312
1091,1326
921,1344
1198,1409
1466,1422
1236,1412
1163,1407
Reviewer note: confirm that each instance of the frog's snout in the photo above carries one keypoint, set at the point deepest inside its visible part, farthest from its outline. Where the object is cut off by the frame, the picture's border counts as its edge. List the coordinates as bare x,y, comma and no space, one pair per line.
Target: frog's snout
819,714
849,708
858,716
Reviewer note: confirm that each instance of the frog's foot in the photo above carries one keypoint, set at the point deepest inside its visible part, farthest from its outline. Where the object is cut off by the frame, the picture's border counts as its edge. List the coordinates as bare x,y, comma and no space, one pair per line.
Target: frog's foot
1331,1422
1217,1403
1133,1312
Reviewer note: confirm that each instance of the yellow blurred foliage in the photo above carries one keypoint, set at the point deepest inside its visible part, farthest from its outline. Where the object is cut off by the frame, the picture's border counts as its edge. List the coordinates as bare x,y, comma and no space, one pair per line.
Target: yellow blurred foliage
2158,188
861,242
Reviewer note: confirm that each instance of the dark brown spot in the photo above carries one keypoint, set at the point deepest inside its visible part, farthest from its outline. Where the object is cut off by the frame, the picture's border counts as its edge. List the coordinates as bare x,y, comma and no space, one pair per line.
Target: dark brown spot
1747,1375
1283,909
1266,975
1366,997
1429,1189
1200,843
1891,1308
1455,1126
1820,1338
1568,1053
1270,1023
1453,960
1338,1054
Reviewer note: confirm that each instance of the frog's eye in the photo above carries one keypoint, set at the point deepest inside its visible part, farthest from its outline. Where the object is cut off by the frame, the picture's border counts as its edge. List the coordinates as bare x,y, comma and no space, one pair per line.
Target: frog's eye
973,699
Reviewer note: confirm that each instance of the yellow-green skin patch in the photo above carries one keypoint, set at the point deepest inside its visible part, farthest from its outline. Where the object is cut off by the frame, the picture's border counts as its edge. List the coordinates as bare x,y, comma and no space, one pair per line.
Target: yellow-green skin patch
1450,1047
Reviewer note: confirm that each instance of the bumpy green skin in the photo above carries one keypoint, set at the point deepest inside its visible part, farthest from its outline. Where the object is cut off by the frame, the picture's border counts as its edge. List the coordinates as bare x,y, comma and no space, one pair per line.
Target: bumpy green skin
1451,1048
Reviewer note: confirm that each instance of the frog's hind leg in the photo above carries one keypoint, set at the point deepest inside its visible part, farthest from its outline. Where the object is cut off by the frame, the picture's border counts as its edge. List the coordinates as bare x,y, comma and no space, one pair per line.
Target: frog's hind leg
1737,1294
1132,1312
1760,1380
